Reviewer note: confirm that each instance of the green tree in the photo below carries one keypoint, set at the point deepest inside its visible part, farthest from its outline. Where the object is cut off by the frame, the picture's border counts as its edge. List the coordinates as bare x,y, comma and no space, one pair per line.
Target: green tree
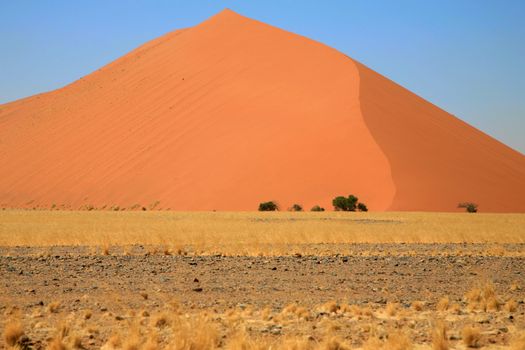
296,207
469,207
341,203
317,208
362,207
268,206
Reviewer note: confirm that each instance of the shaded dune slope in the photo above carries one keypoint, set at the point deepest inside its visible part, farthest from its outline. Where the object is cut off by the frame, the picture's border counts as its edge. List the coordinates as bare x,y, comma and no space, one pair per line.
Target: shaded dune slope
233,112
436,159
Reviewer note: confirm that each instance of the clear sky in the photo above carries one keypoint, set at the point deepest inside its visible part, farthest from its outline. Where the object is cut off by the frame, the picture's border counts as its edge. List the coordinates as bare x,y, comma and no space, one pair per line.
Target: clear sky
466,56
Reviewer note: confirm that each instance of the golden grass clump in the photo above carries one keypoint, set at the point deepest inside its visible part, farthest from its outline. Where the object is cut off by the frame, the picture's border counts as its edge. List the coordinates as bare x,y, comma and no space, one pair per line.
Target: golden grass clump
88,314
329,307
471,336
511,305
417,305
53,307
483,298
443,304
334,343
13,331
162,320
394,341
439,337
398,341
391,309
473,296
114,342
196,332
57,343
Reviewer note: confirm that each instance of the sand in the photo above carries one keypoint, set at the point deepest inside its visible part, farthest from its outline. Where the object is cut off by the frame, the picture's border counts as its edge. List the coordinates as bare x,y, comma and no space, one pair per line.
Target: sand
233,112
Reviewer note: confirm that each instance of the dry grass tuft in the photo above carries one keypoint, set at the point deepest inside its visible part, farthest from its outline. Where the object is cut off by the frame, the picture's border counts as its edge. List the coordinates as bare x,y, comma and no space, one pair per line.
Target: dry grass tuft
57,344
471,336
76,342
334,343
53,307
87,314
395,341
162,320
418,305
483,298
443,304
114,342
13,331
511,305
439,337
473,296
391,309
398,341
330,307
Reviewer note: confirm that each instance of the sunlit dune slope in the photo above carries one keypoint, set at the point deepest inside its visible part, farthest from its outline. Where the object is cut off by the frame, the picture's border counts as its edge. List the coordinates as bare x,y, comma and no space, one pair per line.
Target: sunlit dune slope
233,112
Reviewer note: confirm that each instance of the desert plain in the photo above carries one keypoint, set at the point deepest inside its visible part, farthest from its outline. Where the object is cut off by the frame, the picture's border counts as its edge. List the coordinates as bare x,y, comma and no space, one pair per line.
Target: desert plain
247,280
127,205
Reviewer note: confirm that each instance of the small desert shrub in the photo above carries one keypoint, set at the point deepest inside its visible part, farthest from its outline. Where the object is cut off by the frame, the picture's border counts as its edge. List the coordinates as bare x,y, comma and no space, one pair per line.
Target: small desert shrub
296,207
471,336
362,207
469,207
268,206
317,208
13,331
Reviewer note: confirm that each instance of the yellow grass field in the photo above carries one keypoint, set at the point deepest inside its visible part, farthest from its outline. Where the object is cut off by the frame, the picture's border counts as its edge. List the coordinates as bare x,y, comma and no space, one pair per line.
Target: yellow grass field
252,233
251,280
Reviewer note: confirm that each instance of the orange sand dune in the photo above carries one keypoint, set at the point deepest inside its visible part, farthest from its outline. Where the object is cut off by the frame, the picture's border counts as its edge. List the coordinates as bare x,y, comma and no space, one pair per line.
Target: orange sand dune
233,112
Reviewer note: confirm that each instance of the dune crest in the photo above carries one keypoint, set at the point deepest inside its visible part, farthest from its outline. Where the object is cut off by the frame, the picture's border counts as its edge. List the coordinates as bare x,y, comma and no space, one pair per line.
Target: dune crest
233,112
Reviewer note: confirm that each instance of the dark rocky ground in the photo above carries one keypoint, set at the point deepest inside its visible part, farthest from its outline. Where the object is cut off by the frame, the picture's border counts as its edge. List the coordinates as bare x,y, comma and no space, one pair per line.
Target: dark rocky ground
76,278
71,272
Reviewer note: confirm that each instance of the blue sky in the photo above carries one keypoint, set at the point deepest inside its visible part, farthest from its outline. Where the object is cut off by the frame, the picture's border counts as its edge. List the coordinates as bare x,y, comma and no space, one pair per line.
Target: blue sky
466,56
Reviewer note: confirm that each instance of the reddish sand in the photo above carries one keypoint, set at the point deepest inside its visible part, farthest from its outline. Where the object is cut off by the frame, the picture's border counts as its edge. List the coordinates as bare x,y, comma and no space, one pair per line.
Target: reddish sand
233,112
